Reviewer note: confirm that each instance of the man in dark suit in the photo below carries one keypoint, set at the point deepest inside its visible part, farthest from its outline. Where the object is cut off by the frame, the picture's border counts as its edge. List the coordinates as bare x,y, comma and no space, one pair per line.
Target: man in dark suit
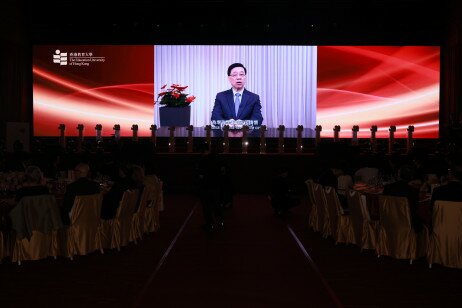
237,103
81,186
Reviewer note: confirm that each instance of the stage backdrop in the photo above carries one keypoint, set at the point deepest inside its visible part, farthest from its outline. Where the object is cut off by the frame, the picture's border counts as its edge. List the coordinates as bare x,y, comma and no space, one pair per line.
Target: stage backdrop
307,85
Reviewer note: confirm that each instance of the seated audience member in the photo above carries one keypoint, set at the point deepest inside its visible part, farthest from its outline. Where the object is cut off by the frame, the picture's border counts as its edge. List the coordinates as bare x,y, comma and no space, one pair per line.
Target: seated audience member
33,184
452,191
401,188
328,177
344,184
430,180
368,173
112,199
82,186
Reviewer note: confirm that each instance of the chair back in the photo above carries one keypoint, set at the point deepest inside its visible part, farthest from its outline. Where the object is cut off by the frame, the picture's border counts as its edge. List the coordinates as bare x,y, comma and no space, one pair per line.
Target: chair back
311,203
340,223
127,205
35,220
155,201
355,205
124,216
86,211
153,183
84,233
2,247
445,245
396,236
138,221
334,209
35,213
322,223
364,229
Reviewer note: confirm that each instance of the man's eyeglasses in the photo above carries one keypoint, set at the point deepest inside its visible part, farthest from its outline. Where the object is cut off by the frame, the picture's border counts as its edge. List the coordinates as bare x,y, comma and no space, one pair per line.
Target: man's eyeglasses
238,75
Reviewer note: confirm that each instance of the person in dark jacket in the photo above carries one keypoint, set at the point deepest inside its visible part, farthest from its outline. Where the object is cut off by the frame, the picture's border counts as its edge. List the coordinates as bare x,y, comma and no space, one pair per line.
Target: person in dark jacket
282,193
209,189
83,185
33,184
111,200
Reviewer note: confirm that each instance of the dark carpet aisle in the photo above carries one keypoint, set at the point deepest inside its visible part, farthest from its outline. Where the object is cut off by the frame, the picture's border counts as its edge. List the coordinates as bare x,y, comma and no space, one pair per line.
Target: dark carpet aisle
252,262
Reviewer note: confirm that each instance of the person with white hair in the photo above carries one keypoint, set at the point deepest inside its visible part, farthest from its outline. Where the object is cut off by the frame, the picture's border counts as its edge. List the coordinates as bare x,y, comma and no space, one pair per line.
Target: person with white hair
33,184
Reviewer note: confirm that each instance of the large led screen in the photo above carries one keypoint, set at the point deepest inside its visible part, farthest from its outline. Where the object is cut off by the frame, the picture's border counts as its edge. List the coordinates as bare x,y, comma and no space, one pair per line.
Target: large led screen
297,85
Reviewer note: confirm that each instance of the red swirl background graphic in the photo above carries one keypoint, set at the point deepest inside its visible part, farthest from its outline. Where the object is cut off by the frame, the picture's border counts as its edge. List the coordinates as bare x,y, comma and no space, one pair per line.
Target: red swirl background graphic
118,91
378,85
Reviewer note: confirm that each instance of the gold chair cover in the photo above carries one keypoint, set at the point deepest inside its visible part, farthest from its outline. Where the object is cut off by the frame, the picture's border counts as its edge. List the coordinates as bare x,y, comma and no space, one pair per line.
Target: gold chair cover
340,226
364,229
2,247
445,245
84,234
322,223
155,200
396,236
118,229
137,228
35,220
313,217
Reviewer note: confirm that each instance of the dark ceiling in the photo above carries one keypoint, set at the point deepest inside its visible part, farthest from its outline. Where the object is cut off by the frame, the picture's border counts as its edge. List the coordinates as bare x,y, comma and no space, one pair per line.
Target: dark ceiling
400,22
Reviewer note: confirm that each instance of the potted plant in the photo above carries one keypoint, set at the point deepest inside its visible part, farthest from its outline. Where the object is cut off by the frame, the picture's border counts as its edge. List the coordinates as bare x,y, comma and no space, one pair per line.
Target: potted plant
175,107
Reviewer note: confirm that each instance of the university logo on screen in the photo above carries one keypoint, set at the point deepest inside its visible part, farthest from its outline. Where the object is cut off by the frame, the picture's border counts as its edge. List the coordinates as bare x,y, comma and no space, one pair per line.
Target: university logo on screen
77,58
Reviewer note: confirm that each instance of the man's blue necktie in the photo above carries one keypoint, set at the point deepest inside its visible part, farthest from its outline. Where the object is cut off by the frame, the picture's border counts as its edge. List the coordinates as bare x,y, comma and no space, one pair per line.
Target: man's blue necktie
237,101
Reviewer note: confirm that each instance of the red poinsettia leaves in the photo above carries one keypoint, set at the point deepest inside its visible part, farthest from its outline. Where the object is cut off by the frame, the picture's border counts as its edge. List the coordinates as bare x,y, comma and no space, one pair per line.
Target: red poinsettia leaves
179,88
174,96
